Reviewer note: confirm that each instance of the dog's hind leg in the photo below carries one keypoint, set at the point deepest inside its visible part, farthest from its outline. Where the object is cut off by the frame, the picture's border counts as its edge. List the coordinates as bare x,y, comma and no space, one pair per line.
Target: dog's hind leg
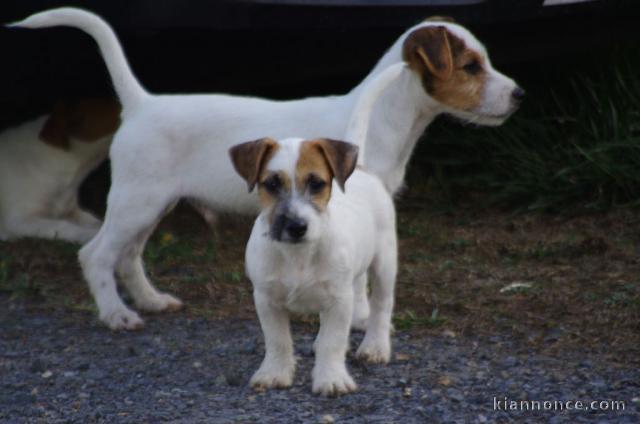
129,215
130,269
50,228
360,303
376,345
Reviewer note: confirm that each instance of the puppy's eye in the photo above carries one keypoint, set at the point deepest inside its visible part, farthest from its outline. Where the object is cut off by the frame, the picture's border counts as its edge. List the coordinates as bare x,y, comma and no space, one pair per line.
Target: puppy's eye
273,184
316,185
472,67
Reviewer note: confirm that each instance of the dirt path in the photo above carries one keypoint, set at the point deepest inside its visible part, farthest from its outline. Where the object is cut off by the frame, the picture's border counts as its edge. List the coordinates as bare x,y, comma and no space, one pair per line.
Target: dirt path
65,367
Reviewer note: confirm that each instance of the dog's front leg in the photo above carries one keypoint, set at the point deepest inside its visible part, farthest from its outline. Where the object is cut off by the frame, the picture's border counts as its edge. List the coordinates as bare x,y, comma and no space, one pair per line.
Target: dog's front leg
330,375
278,365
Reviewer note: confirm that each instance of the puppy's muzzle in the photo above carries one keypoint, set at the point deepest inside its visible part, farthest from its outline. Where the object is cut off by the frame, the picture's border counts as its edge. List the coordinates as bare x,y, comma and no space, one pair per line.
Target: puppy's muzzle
288,228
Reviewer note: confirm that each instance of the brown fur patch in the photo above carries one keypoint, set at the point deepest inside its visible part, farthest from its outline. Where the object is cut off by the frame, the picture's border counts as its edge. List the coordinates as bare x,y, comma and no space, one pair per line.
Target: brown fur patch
440,59
268,199
86,120
312,161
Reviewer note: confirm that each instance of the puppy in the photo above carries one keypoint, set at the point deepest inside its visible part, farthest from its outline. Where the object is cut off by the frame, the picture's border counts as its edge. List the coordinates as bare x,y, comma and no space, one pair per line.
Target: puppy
42,164
322,226
174,146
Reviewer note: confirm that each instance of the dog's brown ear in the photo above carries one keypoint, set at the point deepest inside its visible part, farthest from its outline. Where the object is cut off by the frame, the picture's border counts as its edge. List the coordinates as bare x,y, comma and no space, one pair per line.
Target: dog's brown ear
249,158
341,157
429,49
55,130
93,118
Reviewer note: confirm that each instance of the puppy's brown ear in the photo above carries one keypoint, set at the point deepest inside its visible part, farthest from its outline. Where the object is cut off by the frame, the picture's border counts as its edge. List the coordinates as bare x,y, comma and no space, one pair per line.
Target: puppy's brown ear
429,49
341,157
249,158
55,130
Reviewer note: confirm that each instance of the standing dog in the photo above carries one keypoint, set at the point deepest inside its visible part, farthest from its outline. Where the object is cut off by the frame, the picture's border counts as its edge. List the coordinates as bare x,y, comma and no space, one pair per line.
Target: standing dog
308,245
173,146
42,164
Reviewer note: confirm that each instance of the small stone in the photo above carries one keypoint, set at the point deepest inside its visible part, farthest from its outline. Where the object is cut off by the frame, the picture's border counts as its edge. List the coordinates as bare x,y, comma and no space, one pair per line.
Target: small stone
406,392
197,364
327,419
449,333
635,400
402,357
220,380
482,418
445,380
47,374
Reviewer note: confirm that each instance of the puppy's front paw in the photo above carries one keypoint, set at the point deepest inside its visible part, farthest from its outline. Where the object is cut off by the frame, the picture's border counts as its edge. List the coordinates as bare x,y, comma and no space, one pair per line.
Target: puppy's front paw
332,381
160,303
122,319
273,376
375,349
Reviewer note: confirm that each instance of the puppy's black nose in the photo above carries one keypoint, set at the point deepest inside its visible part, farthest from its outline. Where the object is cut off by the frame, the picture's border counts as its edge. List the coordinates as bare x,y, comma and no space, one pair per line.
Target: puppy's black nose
296,228
518,94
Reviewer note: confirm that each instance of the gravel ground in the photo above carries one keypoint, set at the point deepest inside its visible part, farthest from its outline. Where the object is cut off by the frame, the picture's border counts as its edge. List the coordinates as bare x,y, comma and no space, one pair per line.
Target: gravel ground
65,367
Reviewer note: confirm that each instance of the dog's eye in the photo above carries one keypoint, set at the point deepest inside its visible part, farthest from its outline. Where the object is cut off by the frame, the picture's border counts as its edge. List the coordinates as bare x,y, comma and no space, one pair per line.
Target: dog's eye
272,184
472,67
316,185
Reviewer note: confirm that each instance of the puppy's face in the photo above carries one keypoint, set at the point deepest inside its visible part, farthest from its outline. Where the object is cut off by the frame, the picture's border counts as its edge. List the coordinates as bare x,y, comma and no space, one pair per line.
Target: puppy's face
456,71
294,179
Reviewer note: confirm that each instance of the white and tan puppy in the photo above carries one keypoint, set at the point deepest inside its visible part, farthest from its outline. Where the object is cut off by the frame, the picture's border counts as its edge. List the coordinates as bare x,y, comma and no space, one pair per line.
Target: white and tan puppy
174,146
321,228
42,164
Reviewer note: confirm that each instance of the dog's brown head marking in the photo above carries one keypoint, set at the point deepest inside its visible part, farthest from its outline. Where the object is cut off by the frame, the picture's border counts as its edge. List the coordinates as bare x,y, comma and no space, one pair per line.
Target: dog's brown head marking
86,120
319,162
452,73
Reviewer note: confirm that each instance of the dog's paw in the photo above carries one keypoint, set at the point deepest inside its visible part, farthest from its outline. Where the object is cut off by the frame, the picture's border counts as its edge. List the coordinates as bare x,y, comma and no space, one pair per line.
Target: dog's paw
332,382
122,319
162,302
375,350
273,376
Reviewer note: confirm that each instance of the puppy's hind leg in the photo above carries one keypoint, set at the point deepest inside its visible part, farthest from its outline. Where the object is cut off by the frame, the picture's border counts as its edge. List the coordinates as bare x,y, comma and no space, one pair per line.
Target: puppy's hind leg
376,345
130,269
360,303
129,214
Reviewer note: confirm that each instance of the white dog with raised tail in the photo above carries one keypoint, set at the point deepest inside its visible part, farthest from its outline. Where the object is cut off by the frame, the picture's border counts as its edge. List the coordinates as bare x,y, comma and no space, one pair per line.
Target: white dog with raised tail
174,146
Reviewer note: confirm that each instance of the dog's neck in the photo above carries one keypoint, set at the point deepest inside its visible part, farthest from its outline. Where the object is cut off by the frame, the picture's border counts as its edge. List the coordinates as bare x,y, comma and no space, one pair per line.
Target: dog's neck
402,113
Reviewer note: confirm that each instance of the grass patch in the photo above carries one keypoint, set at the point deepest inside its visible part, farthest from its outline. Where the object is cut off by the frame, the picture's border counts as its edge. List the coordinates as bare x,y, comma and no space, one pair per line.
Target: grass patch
409,319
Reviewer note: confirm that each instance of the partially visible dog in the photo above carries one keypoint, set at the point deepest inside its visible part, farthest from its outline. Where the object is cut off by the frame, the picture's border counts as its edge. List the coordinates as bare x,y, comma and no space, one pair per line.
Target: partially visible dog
174,146
42,164
309,245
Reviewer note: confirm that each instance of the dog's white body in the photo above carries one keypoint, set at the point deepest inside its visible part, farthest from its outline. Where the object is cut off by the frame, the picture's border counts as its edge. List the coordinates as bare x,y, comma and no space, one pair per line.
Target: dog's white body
173,146
355,234
39,184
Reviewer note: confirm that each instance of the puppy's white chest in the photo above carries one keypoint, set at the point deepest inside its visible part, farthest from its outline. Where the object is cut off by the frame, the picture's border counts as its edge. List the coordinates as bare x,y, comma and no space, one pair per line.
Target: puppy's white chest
301,291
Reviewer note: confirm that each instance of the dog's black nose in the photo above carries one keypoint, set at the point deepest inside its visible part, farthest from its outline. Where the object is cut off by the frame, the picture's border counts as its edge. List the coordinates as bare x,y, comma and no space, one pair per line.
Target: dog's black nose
296,228
518,94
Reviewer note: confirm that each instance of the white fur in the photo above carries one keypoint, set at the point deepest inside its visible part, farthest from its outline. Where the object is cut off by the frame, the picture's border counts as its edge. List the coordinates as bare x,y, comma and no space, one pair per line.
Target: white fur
173,146
39,185
355,235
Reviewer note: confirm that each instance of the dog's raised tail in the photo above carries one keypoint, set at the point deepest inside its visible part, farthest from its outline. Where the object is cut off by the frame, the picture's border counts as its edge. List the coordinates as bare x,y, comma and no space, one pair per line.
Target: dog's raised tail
125,83
361,116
